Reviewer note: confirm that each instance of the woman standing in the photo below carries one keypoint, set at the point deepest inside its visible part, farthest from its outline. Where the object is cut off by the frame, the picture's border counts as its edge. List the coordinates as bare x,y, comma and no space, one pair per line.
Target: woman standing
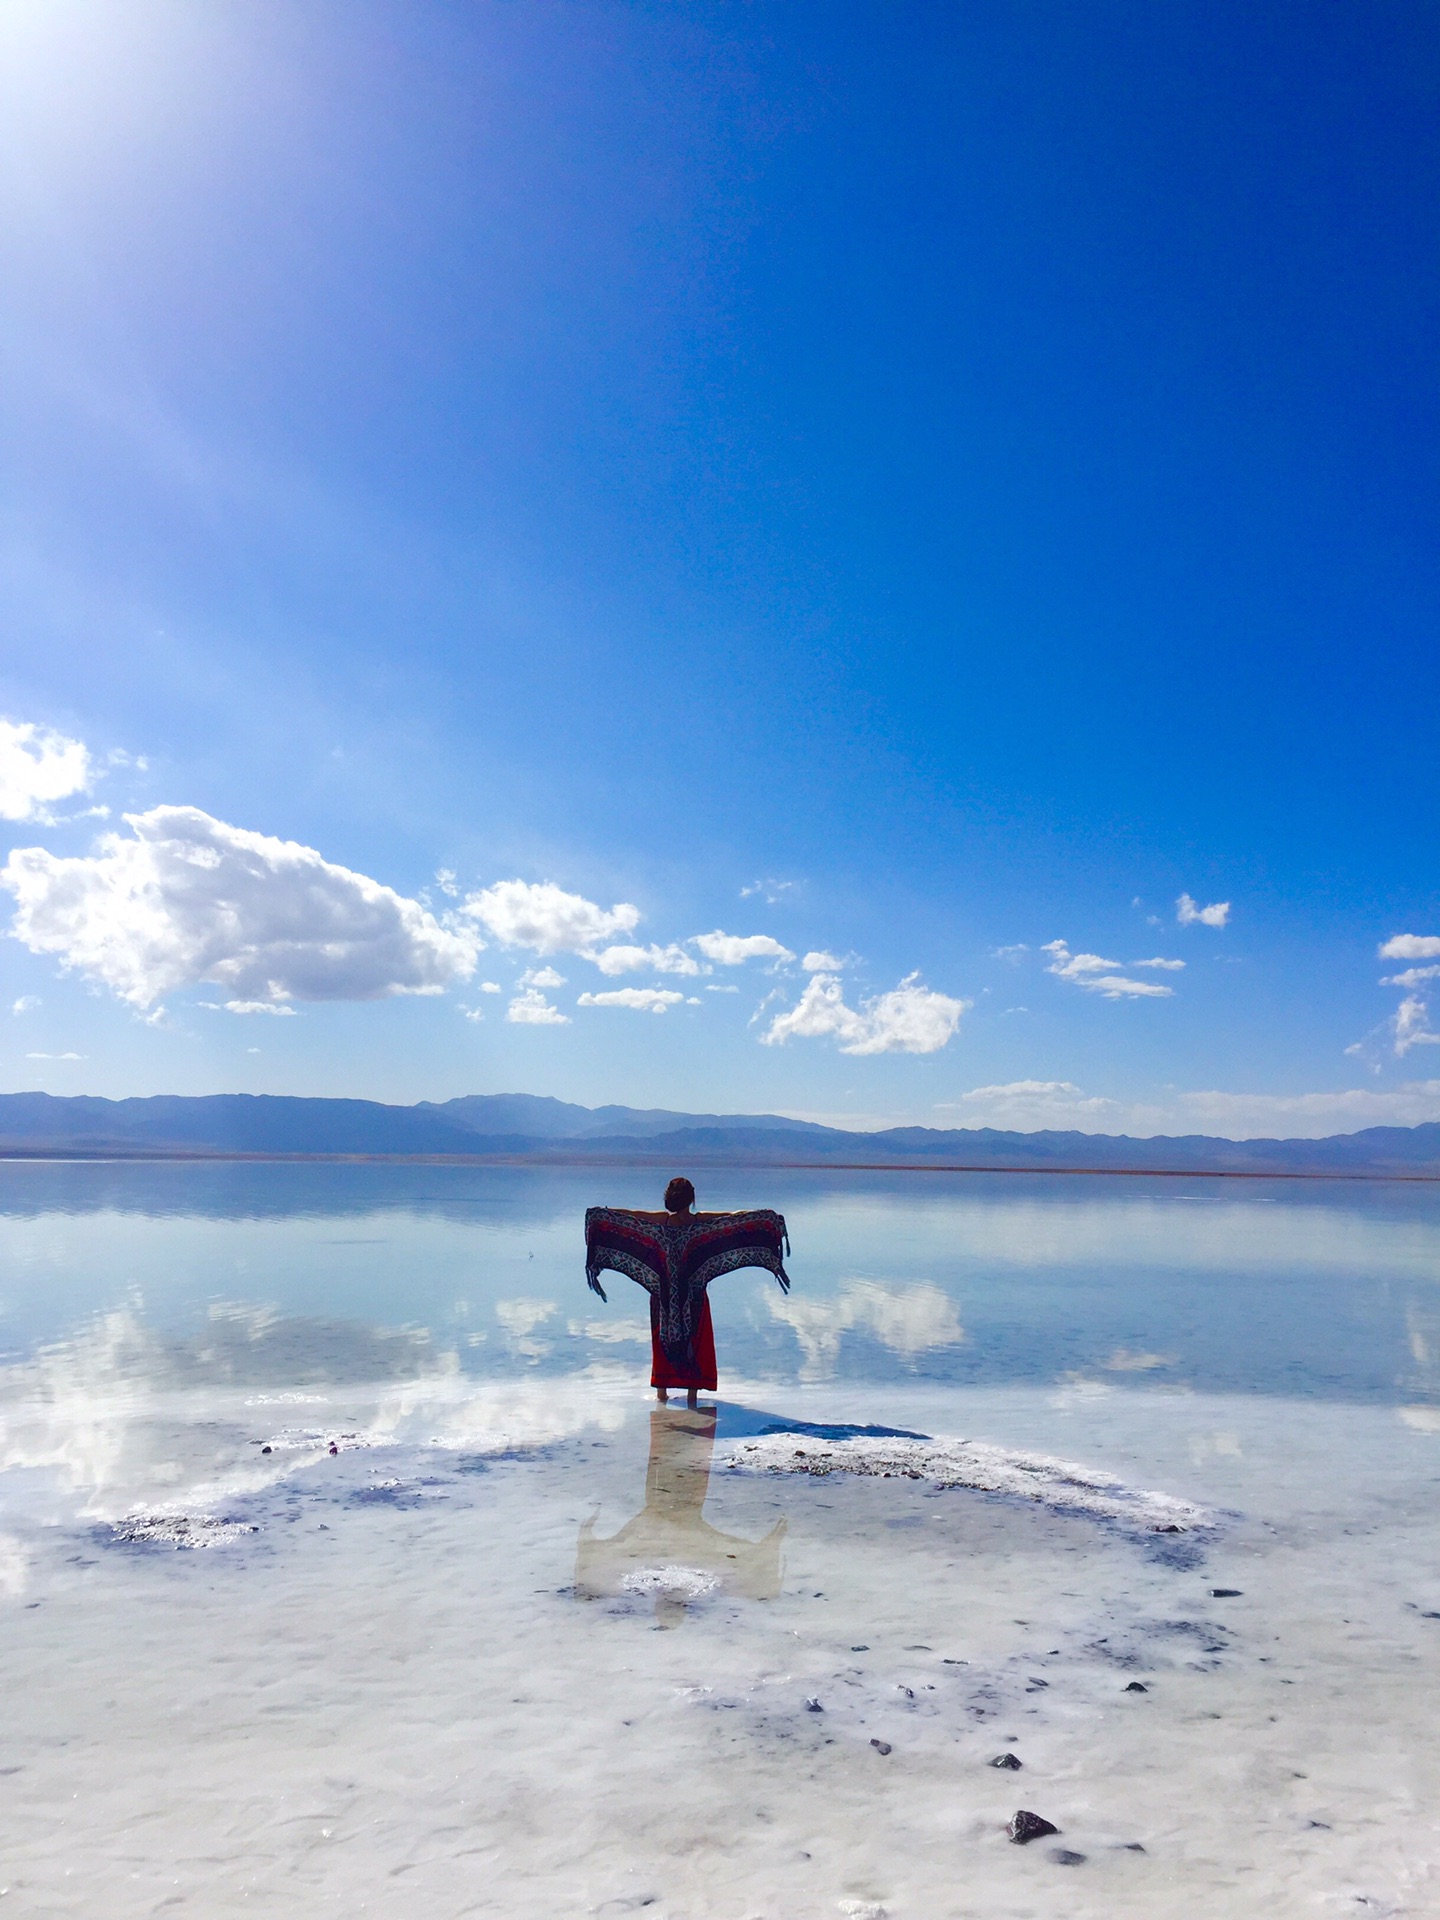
675,1255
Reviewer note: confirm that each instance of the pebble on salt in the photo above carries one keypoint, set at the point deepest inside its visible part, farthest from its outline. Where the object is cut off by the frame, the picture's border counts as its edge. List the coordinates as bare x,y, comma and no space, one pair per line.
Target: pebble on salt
1025,1827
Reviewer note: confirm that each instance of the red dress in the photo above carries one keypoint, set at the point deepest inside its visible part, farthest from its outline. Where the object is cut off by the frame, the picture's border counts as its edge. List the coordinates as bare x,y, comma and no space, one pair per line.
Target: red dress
664,1372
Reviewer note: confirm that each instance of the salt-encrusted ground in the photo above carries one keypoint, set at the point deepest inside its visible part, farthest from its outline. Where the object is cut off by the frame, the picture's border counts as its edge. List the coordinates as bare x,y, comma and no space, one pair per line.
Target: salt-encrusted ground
524,1650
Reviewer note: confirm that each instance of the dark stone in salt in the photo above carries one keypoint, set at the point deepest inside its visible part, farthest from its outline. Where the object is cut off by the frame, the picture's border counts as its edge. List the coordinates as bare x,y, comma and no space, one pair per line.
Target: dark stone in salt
333,1447
1225,1593
1137,1686
813,1706
1025,1827
882,1746
1008,1761
1131,1846
1063,1857
859,1649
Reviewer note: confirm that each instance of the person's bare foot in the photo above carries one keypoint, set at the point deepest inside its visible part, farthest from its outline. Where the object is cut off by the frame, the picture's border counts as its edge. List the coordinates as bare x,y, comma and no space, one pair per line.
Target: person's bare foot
692,1399
662,1396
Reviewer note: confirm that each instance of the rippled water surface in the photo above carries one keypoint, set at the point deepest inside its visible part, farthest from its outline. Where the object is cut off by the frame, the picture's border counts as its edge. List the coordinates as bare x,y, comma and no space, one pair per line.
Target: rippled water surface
345,1565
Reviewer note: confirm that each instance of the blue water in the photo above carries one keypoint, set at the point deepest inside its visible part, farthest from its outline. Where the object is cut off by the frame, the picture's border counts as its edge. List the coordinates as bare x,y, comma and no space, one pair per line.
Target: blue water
1306,1290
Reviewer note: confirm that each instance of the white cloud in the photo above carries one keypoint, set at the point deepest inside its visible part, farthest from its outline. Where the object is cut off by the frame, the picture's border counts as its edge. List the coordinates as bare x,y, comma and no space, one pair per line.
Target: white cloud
491,986
1411,1025
1189,914
1027,1104
734,949
445,880
1095,975
530,1008
1411,946
55,1056
1166,966
1411,977
36,767
671,959
545,918
255,1006
1307,1115
1012,955
639,999
186,898
722,989
770,891
910,1019
819,961
27,1003
544,977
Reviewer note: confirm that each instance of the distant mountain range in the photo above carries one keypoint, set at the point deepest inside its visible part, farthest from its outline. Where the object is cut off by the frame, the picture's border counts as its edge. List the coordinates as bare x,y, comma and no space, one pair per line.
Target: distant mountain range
501,1126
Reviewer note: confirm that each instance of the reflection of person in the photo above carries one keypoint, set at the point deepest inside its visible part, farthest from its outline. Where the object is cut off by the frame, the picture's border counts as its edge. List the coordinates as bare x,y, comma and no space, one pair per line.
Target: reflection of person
675,1255
670,1548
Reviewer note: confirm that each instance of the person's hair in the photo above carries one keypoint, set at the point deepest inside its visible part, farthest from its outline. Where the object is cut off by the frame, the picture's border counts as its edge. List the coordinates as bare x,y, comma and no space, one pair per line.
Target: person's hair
679,1194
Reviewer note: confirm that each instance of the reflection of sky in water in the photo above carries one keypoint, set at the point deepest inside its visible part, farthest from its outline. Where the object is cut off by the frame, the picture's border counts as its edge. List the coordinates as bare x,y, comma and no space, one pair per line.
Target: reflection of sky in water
279,1276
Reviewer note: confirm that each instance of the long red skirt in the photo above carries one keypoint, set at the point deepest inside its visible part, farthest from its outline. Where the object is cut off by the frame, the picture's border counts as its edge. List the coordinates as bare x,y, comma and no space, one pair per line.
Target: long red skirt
663,1373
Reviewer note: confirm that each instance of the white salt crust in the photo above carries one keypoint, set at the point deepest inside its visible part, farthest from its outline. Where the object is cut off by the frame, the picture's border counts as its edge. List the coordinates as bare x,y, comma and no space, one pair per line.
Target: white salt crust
1059,1484
471,1679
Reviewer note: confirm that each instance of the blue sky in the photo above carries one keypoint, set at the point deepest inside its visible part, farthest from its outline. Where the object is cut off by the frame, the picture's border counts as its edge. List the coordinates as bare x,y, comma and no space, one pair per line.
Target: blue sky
926,487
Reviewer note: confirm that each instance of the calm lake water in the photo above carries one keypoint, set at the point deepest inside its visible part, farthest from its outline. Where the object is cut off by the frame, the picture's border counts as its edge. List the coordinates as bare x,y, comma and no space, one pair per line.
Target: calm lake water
519,1645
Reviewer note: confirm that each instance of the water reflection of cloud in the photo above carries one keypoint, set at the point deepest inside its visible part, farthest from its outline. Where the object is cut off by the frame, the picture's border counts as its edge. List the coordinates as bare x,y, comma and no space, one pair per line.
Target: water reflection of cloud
122,1414
520,1318
909,1320
611,1332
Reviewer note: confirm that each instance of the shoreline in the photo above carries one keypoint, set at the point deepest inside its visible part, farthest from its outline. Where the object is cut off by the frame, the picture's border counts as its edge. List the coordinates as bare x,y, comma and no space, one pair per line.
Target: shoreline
220,1155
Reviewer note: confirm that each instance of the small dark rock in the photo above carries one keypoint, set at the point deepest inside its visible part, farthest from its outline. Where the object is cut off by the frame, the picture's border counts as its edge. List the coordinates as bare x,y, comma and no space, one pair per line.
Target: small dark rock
813,1706
882,1746
1137,1686
1063,1857
267,1449
1225,1593
1007,1761
333,1447
859,1649
1131,1846
1025,1827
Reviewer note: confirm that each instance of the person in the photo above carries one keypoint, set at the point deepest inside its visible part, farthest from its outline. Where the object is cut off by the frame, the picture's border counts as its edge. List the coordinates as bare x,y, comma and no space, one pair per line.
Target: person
675,1255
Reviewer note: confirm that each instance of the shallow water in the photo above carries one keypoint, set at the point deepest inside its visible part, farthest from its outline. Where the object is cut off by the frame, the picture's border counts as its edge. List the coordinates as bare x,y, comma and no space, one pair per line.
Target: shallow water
521,1645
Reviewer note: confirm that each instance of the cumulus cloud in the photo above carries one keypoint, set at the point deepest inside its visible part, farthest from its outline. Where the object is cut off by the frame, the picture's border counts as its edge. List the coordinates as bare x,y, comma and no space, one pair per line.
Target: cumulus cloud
544,977
27,1003
1095,975
622,959
530,1008
184,898
819,961
909,1019
36,767
1411,977
545,918
639,999
734,949
1166,966
1411,1025
1026,1104
1190,914
55,1056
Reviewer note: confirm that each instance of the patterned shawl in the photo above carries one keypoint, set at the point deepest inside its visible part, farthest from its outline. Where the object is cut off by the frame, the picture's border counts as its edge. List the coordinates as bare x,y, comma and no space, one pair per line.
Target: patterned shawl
676,1258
